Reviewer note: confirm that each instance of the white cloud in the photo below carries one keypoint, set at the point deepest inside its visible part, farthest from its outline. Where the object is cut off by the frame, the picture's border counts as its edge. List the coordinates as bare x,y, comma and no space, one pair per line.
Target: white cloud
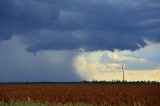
121,58
142,64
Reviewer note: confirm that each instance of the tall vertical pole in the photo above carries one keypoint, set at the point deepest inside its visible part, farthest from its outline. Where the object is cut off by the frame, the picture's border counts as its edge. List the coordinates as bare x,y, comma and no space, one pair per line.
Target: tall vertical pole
123,72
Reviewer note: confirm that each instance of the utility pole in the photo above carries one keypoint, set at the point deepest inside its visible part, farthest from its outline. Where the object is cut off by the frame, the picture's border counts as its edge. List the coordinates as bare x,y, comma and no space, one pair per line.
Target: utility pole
123,72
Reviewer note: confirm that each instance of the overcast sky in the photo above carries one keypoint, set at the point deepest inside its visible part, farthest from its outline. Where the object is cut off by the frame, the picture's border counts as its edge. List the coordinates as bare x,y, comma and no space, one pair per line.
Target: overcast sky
48,40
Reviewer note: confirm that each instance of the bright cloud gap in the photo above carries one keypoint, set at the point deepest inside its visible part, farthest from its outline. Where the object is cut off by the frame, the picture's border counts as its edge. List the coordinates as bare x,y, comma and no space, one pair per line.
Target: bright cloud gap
106,65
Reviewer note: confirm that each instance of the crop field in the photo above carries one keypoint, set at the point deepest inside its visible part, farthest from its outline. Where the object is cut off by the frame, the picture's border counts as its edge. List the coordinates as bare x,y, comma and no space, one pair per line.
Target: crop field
91,94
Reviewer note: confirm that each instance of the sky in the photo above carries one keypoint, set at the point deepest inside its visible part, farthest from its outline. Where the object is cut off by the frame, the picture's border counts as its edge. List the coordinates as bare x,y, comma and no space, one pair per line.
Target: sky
74,40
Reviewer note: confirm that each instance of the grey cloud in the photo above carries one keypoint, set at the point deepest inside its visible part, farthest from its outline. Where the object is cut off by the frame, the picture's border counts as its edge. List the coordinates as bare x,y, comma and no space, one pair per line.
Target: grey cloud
104,24
20,16
18,65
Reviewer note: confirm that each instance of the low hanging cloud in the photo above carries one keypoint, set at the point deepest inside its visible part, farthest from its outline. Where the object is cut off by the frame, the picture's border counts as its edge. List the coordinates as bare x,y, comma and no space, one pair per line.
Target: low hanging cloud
73,24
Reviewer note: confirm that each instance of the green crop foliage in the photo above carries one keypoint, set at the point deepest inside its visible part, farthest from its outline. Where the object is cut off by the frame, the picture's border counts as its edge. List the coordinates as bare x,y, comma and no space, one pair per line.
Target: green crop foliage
31,103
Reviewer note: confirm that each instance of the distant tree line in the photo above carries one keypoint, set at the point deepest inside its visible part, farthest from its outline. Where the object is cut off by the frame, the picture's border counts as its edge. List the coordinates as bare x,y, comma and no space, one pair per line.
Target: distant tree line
119,81
85,81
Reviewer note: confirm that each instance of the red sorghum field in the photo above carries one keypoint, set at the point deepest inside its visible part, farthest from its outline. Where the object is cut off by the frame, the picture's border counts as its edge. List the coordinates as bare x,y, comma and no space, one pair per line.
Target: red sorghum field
96,94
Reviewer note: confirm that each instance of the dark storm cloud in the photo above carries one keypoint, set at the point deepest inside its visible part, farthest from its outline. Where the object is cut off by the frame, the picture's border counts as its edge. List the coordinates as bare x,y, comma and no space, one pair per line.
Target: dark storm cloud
74,24
48,39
